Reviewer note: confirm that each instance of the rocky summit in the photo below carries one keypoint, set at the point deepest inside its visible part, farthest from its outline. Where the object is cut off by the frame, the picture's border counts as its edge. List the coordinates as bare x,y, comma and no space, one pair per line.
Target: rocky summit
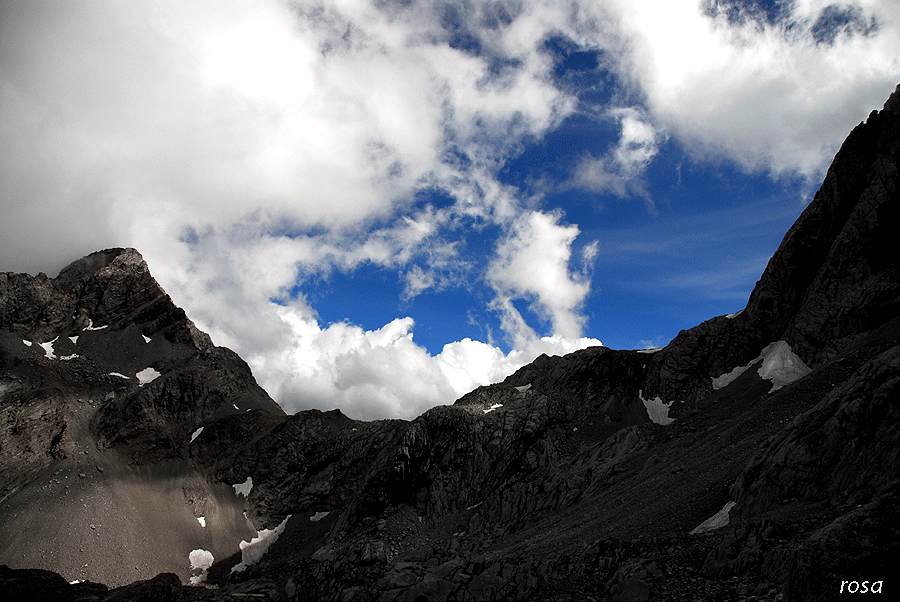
755,457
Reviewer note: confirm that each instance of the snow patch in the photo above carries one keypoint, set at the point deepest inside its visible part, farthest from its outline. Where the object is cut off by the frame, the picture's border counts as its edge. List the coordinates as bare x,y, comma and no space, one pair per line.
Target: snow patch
27,343
120,375
147,375
244,488
650,350
202,521
778,364
235,407
735,314
493,407
48,349
720,382
657,409
781,365
318,516
716,521
523,388
50,352
74,339
253,550
146,338
201,560
91,326
194,435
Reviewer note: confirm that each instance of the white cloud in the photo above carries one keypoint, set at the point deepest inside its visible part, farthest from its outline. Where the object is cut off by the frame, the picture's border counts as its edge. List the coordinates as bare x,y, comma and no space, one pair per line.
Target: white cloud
767,96
382,373
533,263
621,171
306,115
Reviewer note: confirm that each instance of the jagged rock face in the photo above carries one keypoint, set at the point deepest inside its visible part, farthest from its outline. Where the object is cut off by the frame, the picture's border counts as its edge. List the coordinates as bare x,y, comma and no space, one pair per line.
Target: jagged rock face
103,380
106,287
844,449
837,272
104,333
835,275
155,421
505,437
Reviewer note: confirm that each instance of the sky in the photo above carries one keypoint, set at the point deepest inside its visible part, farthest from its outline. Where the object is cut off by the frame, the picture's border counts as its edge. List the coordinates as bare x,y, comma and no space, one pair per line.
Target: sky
381,205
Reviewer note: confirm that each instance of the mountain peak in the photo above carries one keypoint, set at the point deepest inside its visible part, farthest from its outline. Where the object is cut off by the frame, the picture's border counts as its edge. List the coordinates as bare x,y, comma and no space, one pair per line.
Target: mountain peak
100,260
892,104
834,274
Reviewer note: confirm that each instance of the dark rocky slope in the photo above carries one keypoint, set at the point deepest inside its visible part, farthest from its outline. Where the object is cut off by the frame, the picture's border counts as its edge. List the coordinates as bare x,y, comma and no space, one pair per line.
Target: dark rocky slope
587,477
103,381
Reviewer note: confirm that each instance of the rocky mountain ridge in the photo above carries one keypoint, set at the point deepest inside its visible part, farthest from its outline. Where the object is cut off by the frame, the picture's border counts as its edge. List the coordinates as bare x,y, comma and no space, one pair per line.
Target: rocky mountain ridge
103,381
753,458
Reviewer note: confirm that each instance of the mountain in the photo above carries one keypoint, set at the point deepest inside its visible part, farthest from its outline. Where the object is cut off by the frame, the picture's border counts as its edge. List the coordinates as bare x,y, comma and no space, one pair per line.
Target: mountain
103,381
755,457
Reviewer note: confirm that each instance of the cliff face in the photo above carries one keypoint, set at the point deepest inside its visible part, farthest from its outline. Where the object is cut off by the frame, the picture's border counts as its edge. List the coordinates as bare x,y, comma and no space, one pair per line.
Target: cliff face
103,380
833,278
755,457
112,287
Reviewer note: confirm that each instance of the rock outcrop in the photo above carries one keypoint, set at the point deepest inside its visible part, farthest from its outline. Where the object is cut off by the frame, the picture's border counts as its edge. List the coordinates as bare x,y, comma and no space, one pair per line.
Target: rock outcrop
103,381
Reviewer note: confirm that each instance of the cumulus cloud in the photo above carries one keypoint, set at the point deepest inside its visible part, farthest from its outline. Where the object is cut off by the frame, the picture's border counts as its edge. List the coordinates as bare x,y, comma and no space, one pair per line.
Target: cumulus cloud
380,373
769,94
621,171
533,263
301,115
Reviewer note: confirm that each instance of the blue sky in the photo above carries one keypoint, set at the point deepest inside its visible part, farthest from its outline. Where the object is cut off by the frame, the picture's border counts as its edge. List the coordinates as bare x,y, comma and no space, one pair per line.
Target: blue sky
381,205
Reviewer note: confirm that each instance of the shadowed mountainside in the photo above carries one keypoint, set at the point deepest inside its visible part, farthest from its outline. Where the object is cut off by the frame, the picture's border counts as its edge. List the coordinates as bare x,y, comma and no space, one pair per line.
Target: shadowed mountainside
103,381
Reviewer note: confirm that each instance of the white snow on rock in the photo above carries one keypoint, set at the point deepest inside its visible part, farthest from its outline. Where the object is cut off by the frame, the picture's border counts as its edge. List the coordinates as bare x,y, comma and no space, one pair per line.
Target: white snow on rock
48,349
735,314
777,363
235,407
244,488
720,382
318,516
781,365
253,550
493,407
146,338
120,375
201,560
91,326
147,375
202,521
27,343
657,409
716,521
650,350
196,434
523,388
50,352
74,339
